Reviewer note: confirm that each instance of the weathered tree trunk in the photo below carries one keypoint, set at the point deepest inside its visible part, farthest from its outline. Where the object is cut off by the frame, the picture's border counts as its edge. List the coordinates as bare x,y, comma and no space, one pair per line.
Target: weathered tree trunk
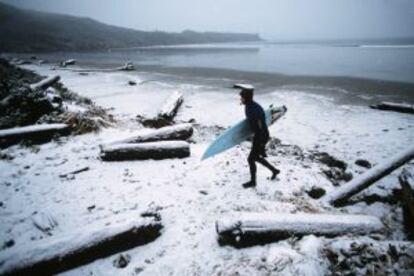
141,151
407,198
171,106
57,254
340,195
404,108
176,132
246,229
127,67
34,133
46,83
68,62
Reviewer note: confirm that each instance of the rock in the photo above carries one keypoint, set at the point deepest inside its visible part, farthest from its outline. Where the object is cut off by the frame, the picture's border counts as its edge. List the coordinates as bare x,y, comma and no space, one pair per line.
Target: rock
153,122
90,208
132,83
122,261
5,156
330,161
1,203
336,175
316,192
9,244
152,213
138,270
363,163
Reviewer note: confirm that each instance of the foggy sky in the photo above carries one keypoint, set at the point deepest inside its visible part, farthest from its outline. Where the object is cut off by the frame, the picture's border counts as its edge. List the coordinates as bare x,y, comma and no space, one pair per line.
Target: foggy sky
272,19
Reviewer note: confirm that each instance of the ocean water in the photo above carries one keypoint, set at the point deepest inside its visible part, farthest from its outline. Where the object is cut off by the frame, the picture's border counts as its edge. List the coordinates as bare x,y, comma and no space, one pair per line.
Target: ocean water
379,62
351,73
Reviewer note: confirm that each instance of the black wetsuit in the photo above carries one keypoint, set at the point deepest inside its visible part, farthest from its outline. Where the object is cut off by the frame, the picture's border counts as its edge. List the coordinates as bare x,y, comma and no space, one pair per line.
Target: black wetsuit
257,120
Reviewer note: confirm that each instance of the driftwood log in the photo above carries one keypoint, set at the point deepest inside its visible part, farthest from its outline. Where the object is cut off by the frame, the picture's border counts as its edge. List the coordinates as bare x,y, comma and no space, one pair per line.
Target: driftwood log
141,151
34,133
407,197
340,195
246,229
398,107
171,106
56,254
166,114
127,67
46,83
68,62
176,132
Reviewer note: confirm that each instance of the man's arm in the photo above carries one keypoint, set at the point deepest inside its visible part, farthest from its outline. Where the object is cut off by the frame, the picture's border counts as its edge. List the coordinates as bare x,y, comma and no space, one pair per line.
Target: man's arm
254,122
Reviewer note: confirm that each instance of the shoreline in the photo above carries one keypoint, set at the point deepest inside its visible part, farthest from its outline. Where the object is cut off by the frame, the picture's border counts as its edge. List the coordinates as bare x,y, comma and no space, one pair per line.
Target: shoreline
344,89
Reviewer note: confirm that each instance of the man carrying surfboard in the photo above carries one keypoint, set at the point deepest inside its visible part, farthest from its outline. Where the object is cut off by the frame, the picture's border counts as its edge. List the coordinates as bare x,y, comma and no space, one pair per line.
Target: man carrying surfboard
255,115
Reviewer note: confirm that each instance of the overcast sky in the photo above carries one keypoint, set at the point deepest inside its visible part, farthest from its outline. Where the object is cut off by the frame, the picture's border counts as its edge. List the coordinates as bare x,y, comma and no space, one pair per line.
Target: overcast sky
272,19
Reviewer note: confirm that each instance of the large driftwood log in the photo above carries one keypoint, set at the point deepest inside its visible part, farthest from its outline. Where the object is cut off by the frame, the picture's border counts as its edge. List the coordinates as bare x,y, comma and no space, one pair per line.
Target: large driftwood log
34,133
246,229
57,254
404,108
340,195
127,67
141,151
171,106
407,198
46,83
176,132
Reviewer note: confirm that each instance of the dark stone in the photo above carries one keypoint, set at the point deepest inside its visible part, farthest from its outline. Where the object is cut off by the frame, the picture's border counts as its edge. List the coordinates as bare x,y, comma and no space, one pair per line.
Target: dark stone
132,83
330,161
153,214
8,244
316,192
154,122
122,261
138,270
90,208
336,175
363,163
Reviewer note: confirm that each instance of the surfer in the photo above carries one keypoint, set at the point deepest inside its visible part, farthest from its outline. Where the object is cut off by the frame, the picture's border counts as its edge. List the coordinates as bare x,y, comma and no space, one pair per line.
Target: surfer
256,118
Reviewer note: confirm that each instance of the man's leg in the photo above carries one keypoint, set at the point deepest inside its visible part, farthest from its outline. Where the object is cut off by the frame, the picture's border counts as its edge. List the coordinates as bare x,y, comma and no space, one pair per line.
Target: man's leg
260,158
265,163
252,166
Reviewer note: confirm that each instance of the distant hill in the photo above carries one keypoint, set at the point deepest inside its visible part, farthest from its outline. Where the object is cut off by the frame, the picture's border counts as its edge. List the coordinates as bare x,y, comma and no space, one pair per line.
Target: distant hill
32,31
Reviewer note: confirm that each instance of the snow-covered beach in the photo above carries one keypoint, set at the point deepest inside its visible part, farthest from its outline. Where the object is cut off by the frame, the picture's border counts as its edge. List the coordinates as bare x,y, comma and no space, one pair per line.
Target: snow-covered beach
191,195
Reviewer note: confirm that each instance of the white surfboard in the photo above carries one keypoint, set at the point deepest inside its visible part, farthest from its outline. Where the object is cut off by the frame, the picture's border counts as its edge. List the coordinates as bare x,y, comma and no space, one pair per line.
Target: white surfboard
240,132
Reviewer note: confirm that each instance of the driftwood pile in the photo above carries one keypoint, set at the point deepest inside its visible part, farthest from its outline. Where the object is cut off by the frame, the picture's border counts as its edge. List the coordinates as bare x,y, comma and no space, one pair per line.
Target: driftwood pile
162,143
33,109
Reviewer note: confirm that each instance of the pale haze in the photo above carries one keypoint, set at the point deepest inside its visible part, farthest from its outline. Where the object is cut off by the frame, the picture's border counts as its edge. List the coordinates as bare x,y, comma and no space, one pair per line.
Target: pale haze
293,19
